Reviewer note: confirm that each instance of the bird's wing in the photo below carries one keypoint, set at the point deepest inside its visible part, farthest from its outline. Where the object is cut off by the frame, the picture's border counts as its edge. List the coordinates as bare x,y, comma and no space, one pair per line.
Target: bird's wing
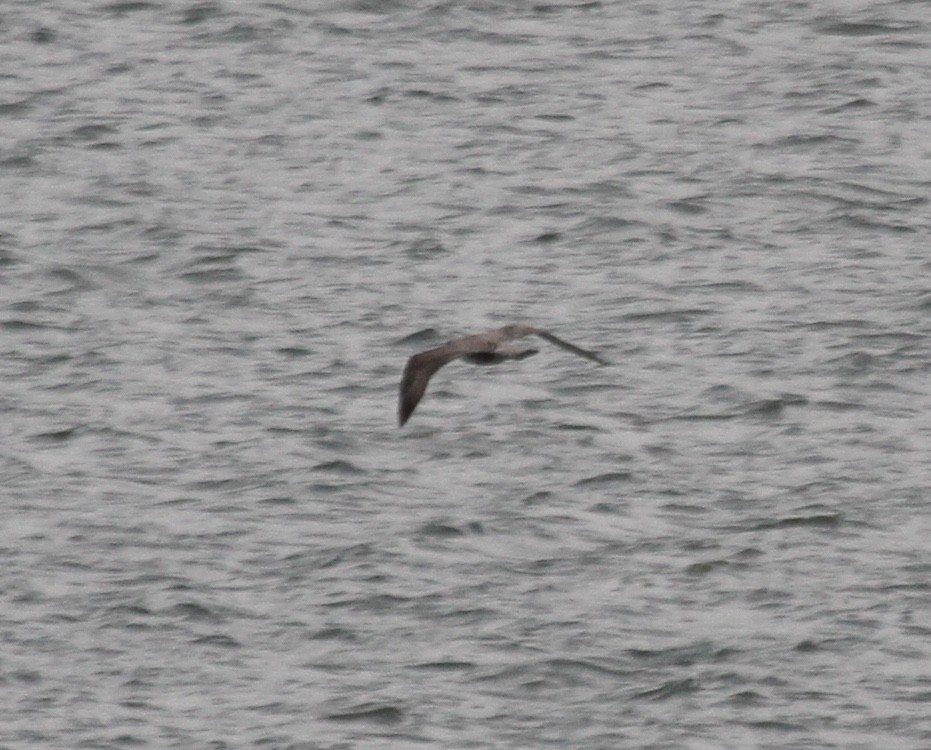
570,347
417,373
510,332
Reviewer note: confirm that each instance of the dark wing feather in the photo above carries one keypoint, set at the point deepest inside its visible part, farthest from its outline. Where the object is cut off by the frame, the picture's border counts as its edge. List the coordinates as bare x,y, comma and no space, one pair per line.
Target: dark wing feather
570,347
417,373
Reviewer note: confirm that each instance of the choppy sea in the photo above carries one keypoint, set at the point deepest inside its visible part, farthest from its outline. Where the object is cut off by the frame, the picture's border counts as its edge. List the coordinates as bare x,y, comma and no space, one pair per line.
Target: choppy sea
225,226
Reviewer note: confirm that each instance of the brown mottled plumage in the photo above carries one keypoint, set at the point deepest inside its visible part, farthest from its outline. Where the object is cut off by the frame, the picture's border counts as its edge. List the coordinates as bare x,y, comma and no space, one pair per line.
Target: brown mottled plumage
486,348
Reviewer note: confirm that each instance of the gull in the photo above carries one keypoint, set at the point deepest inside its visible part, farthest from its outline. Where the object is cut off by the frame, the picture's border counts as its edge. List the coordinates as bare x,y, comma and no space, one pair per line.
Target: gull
488,348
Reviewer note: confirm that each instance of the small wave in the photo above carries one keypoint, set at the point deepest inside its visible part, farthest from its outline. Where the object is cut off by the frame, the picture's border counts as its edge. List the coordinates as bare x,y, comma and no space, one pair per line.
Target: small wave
853,104
369,713
419,337
339,467
777,726
92,131
839,405
853,28
57,436
670,689
128,6
709,566
690,206
809,141
746,698
195,611
218,639
333,634
829,520
767,407
674,316
425,249
560,670
681,656
444,666
439,530
607,478
18,324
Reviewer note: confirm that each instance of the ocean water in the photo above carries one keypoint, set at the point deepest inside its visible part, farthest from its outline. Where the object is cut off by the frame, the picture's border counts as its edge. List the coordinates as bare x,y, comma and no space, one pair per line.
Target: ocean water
225,226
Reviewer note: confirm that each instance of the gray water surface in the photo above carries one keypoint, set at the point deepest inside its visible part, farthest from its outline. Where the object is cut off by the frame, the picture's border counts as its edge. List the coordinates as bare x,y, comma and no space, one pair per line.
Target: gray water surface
225,226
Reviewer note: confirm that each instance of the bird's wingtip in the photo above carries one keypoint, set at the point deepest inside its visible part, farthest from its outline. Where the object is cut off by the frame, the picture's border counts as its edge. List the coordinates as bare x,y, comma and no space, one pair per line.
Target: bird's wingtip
404,412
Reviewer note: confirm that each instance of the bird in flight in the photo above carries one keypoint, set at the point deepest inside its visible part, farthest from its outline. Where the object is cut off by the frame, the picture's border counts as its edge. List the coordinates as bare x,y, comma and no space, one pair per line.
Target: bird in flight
488,348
